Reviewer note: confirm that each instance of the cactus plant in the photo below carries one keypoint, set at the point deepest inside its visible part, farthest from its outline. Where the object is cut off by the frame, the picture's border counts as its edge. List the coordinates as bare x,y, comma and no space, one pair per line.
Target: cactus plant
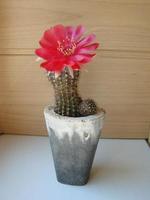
65,50
67,99
73,139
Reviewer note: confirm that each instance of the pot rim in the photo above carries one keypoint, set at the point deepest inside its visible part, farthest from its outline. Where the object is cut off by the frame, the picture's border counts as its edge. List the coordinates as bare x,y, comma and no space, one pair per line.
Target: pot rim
50,111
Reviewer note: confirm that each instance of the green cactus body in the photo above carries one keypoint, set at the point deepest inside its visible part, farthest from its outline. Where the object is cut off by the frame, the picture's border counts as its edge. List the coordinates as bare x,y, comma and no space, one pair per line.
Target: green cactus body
67,99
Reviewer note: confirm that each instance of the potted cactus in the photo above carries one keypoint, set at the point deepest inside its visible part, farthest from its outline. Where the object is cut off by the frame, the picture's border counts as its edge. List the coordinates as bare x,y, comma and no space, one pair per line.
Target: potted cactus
73,124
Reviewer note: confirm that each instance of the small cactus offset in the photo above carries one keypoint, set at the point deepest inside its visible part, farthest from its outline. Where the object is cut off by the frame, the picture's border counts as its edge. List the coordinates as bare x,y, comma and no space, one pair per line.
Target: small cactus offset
87,107
67,99
65,49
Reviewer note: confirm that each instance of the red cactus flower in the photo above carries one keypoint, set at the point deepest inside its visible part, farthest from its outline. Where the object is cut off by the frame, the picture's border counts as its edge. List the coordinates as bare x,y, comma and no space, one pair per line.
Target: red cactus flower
65,46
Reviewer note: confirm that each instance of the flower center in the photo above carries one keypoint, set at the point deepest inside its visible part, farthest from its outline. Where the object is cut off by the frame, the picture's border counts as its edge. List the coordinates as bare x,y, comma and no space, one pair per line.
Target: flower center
66,47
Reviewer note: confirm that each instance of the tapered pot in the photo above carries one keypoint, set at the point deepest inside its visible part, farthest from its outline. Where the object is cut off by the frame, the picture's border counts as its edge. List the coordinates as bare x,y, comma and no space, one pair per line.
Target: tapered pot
73,142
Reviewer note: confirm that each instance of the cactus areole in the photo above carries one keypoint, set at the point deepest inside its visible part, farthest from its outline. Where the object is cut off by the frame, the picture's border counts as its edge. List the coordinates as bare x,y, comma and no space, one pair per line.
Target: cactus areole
64,50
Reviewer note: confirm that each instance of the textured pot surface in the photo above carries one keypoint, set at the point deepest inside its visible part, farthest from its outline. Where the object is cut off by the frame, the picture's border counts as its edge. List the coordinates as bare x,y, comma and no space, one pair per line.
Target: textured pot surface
73,143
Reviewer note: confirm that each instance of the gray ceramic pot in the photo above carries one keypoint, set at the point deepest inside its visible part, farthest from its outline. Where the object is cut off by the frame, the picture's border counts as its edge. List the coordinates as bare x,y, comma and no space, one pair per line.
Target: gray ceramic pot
73,142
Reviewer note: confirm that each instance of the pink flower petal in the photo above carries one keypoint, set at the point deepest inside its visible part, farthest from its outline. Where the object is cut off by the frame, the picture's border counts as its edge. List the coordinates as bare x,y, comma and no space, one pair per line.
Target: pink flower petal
83,58
75,67
86,41
43,53
45,44
88,49
87,58
47,65
70,30
60,32
50,36
79,32
57,66
78,58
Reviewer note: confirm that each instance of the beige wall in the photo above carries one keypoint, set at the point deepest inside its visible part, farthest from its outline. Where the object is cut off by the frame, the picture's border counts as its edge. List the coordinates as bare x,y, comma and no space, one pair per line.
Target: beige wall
118,79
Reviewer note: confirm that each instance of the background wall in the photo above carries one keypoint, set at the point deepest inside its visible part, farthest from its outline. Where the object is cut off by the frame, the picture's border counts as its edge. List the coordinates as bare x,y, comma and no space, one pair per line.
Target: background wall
118,78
